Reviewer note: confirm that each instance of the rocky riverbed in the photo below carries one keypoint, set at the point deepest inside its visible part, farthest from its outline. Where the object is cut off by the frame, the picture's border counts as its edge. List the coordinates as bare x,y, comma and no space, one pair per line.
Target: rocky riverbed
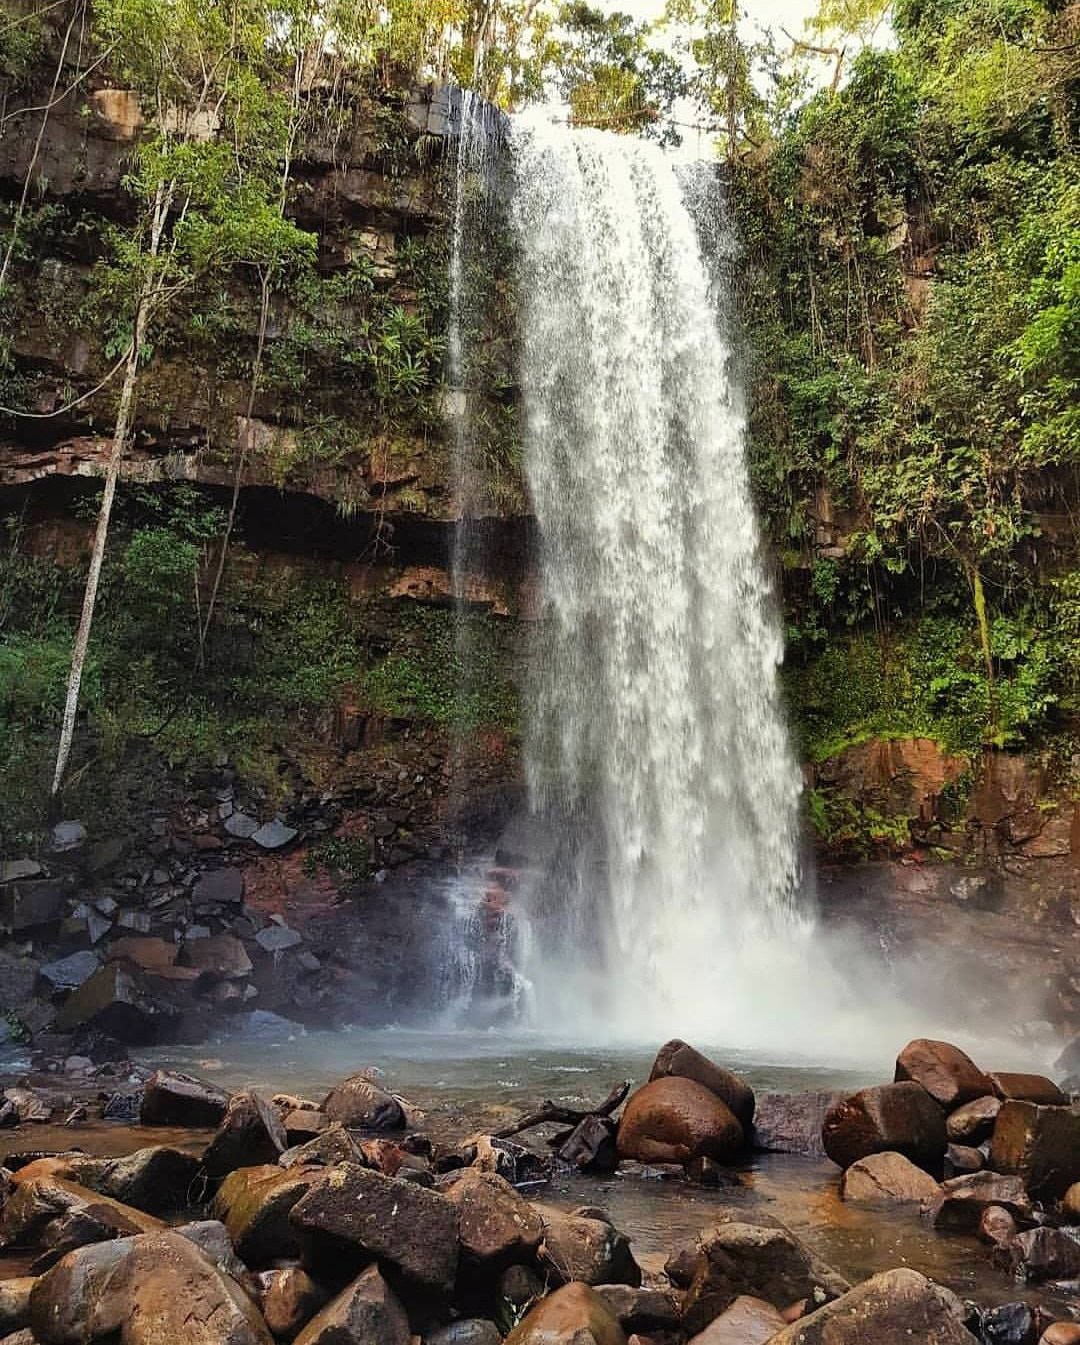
151,1206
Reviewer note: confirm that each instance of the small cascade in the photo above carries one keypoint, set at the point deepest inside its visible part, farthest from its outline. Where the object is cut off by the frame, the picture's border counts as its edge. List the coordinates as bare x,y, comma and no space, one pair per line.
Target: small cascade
485,947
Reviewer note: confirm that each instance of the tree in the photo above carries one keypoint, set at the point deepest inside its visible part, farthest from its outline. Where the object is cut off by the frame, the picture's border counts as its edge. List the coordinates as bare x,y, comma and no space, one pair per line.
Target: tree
201,199
611,72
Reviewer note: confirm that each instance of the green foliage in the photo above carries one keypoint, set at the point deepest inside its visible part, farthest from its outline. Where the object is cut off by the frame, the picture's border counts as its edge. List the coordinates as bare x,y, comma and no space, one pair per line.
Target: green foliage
348,855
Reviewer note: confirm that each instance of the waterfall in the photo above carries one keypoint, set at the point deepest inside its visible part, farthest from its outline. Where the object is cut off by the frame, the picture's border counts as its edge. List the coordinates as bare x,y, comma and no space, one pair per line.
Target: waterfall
657,752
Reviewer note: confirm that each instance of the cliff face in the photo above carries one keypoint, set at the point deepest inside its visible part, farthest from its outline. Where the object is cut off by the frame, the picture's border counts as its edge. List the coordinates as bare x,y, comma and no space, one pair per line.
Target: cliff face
348,486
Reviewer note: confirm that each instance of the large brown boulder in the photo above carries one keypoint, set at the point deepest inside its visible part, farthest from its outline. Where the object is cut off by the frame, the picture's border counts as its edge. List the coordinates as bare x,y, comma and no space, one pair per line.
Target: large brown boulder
676,1121
171,1099
898,1117
961,1201
157,1289
591,1251
749,1321
572,1315
36,1203
496,1226
1028,1088
255,1203
760,1261
1039,1144
366,1313
250,1133
974,1121
898,1307
790,1123
678,1061
157,1179
886,1179
352,1215
948,1075
360,1104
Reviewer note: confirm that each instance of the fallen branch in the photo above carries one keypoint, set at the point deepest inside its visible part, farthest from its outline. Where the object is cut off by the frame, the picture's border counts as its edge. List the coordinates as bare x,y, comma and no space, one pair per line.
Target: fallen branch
552,1113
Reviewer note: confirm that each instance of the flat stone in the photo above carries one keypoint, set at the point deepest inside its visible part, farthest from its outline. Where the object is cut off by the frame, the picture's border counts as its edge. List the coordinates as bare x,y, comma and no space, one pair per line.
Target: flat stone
959,1204
67,836
219,887
273,835
31,903
11,870
276,938
748,1321
886,1179
241,825
1035,1088
70,972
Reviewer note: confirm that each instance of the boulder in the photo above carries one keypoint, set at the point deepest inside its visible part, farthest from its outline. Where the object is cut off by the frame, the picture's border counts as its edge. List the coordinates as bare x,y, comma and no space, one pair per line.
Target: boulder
254,1203
791,1123
157,1179
641,1311
960,1202
171,1099
996,1226
588,1250
673,1120
1028,1088
1061,1333
222,955
360,1104
1009,1324
1043,1254
352,1214
15,1303
302,1125
974,1121
29,1106
366,1313
468,1331
496,1226
212,1239
897,1117
1070,1204
572,1315
961,1160
592,1146
886,1179
72,1303
519,1288
289,1298
948,1075
1040,1144
151,1290
39,1201
748,1321
894,1308
68,973
117,1002
763,1262
334,1145
250,1133
148,954
679,1061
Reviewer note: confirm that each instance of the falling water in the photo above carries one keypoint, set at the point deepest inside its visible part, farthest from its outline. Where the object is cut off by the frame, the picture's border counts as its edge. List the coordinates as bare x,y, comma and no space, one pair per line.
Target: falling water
657,750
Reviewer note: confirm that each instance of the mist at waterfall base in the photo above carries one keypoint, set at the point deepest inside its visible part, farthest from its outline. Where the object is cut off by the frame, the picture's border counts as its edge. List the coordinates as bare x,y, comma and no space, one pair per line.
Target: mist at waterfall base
664,892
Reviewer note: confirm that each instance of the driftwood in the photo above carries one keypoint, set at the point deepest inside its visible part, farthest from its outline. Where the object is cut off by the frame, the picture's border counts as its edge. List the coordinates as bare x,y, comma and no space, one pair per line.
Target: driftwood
567,1116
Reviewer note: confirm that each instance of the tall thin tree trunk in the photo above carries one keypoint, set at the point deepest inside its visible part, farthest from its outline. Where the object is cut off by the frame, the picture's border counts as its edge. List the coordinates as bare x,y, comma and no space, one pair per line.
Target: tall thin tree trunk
149,290
97,555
